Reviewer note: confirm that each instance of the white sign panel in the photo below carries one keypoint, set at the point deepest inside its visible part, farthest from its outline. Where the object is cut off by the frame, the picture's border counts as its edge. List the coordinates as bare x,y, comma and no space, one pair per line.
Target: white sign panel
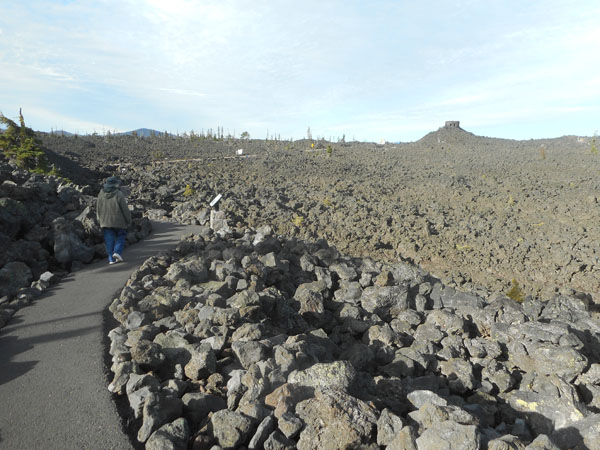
215,200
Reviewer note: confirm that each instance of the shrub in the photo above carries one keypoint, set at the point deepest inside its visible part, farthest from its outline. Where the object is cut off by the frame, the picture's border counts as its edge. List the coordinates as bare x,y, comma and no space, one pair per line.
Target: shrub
189,191
19,143
298,220
515,292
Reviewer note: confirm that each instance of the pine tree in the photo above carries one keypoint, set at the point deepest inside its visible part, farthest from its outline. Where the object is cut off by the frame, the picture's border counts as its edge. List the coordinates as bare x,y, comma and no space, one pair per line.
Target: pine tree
19,143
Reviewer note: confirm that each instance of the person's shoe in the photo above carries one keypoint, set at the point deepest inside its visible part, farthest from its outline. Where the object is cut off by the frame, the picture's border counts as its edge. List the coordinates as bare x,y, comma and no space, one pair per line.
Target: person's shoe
117,257
112,262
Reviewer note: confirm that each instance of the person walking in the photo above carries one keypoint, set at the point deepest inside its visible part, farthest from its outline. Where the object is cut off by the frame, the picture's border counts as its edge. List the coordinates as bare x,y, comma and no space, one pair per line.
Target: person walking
114,218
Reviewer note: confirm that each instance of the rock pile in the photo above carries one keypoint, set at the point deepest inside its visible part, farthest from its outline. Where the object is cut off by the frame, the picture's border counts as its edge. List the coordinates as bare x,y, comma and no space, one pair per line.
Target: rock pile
48,226
251,340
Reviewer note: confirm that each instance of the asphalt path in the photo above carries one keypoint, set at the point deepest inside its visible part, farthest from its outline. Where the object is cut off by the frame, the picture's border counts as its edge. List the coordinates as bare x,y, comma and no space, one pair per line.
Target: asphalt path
53,378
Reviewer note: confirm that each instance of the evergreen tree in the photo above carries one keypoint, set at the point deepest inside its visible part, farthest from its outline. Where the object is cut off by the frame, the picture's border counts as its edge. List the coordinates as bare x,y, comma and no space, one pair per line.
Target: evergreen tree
19,143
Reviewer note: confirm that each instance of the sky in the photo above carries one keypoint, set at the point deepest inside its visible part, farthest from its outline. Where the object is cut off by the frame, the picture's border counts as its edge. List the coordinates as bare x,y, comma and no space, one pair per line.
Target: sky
367,70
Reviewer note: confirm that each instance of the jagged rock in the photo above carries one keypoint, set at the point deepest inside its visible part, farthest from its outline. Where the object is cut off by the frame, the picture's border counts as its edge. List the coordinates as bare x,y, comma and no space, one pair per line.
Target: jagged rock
14,276
542,442
451,436
550,403
388,426
263,431
387,301
508,442
461,377
175,347
277,441
171,436
159,409
582,434
197,405
335,420
429,415
67,244
202,363
122,371
290,425
335,375
419,398
231,428
148,355
249,353
405,439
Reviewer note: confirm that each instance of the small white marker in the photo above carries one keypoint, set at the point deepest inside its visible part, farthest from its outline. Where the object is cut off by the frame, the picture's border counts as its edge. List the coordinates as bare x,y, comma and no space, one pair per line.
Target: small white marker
240,151
215,200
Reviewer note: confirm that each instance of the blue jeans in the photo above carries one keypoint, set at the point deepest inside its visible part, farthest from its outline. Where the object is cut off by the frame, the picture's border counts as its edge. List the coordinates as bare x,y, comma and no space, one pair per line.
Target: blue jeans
114,240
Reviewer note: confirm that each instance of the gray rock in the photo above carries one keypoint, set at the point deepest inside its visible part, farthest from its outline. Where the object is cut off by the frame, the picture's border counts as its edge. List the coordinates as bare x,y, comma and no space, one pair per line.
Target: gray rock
334,420
507,442
137,399
418,398
122,371
135,319
48,277
263,431
459,372
387,301
388,426
290,425
580,435
311,299
449,435
197,405
158,410
231,428
335,375
542,442
451,298
192,269
202,363
546,359
277,441
171,436
344,271
14,276
551,403
138,381
148,355
405,439
67,244
249,353
498,375
175,347
429,416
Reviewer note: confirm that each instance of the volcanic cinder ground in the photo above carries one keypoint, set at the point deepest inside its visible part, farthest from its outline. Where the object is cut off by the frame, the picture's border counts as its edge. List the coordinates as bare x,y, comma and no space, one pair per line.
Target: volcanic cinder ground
477,212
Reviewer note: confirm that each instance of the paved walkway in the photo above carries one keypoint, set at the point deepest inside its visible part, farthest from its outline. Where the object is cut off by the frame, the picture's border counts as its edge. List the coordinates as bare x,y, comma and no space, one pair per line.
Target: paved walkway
53,385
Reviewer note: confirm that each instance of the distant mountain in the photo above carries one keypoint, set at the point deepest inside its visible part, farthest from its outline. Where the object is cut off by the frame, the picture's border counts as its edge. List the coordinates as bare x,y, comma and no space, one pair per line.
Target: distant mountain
62,133
144,132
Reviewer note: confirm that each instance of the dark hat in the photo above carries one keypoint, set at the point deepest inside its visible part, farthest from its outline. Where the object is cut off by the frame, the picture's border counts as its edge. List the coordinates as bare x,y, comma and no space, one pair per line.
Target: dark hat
112,181
111,184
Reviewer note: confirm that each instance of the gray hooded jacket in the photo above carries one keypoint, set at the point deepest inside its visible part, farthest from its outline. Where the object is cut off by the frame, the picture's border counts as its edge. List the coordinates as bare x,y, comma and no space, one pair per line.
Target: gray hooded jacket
111,209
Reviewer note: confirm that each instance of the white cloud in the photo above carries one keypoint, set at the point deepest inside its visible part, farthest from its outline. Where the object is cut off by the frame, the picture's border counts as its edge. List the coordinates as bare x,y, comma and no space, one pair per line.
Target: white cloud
53,120
182,92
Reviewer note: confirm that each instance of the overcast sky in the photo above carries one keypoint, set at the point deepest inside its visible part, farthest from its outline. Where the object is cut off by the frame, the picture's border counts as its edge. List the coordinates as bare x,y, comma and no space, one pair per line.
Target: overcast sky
371,70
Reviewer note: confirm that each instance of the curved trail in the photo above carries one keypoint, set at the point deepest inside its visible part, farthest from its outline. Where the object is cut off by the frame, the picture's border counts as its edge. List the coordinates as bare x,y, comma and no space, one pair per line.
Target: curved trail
53,387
